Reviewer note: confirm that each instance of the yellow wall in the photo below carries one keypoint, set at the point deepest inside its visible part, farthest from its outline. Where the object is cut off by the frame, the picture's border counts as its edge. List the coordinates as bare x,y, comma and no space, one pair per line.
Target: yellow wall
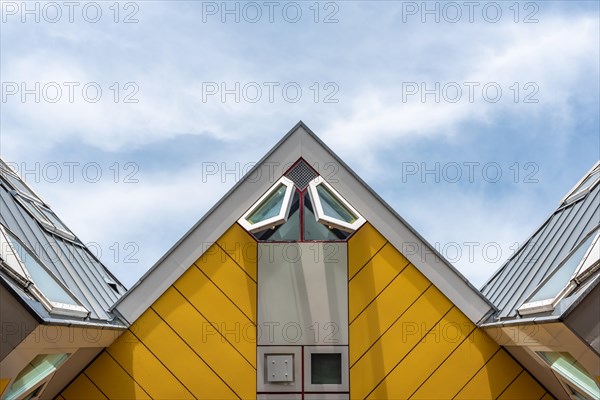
407,340
196,341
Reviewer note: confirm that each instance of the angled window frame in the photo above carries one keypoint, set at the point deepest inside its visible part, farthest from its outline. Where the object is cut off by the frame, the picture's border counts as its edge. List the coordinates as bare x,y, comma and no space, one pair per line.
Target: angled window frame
582,271
11,264
583,187
7,172
281,216
40,212
53,307
320,214
582,383
36,389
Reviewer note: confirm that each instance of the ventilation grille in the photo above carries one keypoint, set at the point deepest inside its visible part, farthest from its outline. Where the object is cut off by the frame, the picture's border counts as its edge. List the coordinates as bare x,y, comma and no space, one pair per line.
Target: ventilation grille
301,174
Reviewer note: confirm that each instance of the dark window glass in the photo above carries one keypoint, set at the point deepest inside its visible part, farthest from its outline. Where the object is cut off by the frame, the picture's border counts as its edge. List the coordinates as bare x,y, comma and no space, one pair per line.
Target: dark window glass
314,230
326,369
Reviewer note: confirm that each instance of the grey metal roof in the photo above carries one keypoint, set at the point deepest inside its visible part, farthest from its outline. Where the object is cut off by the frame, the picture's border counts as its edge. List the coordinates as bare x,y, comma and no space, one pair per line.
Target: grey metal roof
514,281
69,261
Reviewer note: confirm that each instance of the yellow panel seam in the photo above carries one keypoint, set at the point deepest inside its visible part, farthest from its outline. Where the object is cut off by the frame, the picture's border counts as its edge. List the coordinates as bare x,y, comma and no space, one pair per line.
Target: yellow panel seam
83,372
93,383
224,294
216,327
446,359
394,323
368,261
159,360
196,353
526,370
380,292
511,383
124,370
410,351
235,262
475,374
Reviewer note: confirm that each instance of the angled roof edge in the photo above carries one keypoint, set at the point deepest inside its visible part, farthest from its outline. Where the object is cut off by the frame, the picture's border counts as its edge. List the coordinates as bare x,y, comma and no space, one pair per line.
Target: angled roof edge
560,314
560,207
300,141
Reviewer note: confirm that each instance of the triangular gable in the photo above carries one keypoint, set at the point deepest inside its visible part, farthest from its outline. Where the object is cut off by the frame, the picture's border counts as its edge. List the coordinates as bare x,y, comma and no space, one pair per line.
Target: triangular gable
301,142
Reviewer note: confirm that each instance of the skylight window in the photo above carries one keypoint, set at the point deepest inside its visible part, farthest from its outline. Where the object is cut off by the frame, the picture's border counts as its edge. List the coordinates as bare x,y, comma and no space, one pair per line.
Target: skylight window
39,282
579,264
574,373
271,209
15,181
45,216
40,368
584,187
331,209
15,269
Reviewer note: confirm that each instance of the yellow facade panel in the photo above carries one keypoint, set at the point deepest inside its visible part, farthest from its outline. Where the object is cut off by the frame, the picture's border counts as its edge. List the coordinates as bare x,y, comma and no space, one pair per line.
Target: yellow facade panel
3,384
373,278
82,388
387,308
179,358
492,379
220,354
113,381
459,367
230,279
362,246
241,247
523,388
135,358
397,342
427,355
222,316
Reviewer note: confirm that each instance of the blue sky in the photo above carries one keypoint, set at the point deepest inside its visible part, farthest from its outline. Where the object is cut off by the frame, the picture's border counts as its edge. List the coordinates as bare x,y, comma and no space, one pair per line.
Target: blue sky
379,82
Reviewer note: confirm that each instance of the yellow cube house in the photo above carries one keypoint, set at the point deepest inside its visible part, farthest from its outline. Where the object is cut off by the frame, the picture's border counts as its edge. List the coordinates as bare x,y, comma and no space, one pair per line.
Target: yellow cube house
301,283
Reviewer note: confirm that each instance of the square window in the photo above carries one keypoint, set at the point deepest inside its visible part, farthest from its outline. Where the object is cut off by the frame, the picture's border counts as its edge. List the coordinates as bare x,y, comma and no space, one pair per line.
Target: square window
326,368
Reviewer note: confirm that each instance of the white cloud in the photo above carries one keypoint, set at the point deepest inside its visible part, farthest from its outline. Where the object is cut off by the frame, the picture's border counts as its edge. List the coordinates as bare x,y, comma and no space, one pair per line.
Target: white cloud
170,55
552,55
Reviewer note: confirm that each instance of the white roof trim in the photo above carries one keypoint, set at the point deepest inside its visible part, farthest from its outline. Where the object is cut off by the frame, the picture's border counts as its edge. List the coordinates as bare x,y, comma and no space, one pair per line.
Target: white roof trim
301,142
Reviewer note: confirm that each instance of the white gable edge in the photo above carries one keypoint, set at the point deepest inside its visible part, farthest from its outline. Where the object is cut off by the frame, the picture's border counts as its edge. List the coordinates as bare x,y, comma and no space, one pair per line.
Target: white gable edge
209,229
398,232
301,142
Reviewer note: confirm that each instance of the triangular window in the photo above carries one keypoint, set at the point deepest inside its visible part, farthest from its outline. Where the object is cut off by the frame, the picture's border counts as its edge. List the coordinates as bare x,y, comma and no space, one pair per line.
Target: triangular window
314,230
301,206
331,208
271,209
288,231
